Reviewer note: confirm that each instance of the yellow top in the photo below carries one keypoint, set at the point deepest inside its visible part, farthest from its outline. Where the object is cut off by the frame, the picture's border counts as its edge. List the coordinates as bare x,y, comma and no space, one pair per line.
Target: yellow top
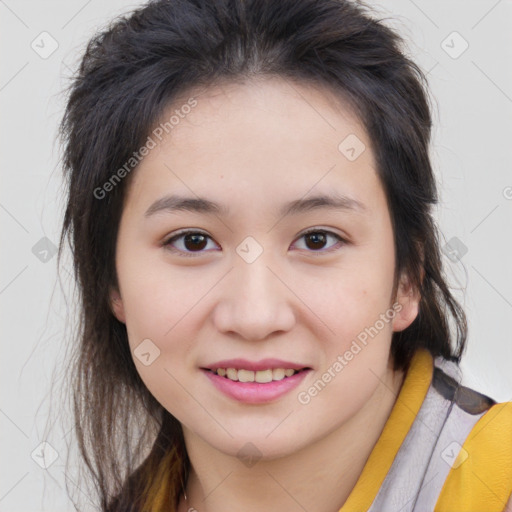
483,482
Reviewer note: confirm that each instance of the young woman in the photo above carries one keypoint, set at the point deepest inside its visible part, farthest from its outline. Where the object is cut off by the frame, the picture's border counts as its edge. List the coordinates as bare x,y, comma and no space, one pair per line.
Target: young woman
265,324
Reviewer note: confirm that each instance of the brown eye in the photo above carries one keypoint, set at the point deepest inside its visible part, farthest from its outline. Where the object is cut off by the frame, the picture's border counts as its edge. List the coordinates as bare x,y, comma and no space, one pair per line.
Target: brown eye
317,240
194,242
188,242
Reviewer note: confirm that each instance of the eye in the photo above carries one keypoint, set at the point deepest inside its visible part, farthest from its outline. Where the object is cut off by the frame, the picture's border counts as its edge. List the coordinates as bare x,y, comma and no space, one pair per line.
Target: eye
316,240
188,242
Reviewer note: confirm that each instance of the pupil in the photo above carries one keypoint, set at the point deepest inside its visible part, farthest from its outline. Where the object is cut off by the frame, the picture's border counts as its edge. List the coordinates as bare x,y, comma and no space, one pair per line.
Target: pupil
316,238
198,241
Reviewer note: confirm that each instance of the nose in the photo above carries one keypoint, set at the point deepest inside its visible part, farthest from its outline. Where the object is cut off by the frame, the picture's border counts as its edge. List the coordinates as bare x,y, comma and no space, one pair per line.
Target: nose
255,302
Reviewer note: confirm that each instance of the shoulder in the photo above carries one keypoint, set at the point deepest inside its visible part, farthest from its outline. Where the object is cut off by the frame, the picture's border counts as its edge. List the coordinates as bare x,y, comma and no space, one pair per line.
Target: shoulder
480,477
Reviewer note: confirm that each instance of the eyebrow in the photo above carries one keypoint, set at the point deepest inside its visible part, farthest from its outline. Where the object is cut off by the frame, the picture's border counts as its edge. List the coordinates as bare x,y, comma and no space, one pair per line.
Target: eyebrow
173,203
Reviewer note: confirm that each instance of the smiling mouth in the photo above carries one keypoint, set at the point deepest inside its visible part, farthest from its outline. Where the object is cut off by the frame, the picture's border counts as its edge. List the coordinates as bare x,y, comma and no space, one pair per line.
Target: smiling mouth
259,376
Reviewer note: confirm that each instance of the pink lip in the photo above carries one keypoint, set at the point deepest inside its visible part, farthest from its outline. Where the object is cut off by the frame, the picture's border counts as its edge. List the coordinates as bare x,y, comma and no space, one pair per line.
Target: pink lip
254,392
263,364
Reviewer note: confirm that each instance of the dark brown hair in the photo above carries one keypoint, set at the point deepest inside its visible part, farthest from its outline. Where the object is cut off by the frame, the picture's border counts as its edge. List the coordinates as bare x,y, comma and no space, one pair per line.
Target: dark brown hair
130,73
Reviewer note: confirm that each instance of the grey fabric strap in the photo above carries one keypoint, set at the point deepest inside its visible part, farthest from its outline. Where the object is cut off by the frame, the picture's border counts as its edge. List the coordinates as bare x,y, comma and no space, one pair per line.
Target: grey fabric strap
431,447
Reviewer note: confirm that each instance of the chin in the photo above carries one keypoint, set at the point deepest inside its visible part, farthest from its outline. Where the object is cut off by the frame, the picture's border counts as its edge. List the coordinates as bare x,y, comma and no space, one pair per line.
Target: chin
253,448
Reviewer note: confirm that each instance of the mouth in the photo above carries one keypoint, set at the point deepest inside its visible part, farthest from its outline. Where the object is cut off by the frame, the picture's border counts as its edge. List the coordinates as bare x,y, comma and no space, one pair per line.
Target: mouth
255,386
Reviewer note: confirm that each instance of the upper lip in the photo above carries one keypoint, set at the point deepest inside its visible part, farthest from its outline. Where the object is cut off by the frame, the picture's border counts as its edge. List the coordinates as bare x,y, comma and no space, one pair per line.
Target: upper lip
262,364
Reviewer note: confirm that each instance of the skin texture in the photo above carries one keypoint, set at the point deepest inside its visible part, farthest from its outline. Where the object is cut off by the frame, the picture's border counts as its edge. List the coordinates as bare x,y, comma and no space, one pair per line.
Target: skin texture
253,147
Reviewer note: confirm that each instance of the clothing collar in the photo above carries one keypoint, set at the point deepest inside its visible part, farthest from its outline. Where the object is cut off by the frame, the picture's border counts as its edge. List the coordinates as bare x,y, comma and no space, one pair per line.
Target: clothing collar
409,400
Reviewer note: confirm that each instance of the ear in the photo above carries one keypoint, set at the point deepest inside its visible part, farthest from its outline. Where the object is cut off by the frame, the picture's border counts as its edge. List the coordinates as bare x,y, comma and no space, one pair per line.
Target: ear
407,300
116,305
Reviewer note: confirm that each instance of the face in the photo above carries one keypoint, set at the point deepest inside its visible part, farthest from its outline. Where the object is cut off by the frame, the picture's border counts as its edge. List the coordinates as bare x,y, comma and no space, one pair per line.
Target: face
287,262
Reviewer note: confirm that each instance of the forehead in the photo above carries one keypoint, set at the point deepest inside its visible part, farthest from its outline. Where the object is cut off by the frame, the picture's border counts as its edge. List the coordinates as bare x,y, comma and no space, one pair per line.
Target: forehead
269,136
266,107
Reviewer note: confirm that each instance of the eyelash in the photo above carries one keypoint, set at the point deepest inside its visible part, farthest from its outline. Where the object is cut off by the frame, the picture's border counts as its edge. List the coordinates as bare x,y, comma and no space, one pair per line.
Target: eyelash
193,254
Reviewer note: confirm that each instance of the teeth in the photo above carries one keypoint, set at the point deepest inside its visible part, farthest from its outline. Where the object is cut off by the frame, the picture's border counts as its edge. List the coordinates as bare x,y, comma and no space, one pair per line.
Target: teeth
245,375
278,373
263,376
232,374
260,376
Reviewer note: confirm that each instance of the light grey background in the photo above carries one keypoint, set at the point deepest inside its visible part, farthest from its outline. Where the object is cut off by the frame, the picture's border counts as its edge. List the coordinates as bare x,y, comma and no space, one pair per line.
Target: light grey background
471,154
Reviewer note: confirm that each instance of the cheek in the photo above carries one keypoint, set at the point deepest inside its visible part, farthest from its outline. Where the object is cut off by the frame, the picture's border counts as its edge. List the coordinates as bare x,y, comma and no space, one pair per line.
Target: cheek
356,306
155,298
357,348
358,295
159,307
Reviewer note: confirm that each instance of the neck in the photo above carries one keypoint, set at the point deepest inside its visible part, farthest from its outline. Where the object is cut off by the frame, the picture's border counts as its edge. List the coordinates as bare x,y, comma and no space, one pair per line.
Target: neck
319,477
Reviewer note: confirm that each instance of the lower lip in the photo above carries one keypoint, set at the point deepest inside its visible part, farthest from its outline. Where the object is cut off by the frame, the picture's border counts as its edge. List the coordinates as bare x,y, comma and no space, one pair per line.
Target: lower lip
254,392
